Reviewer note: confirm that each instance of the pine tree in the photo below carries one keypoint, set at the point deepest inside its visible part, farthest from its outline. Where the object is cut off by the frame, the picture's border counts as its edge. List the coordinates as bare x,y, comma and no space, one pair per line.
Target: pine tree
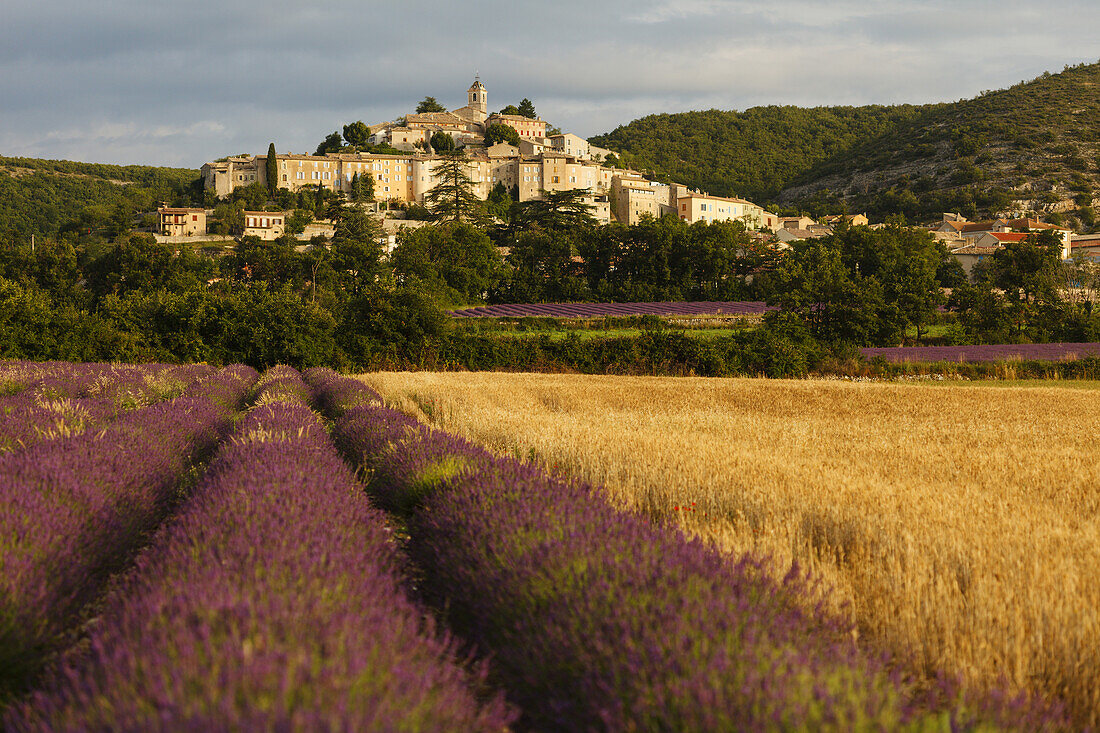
453,198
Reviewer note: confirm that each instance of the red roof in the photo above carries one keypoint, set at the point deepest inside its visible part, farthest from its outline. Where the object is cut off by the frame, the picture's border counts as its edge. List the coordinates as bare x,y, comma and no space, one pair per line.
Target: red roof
1010,236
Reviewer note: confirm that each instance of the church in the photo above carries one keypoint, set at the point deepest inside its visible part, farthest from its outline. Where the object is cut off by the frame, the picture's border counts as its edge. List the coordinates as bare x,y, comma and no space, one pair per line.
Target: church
466,125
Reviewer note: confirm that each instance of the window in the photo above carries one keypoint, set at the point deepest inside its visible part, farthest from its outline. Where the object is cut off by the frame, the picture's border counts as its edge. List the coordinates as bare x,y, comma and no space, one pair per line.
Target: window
326,175
194,217
301,175
284,178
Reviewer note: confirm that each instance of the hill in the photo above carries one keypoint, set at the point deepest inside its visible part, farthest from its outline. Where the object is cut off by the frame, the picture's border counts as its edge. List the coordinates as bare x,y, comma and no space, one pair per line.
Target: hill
755,153
41,196
1032,147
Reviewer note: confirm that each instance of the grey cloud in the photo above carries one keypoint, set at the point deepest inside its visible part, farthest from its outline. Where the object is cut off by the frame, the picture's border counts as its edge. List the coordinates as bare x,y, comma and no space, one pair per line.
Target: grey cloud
140,81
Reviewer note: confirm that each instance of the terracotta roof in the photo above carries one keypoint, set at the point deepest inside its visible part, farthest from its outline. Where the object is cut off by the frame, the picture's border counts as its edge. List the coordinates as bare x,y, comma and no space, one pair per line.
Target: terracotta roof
1029,223
977,226
1010,236
516,118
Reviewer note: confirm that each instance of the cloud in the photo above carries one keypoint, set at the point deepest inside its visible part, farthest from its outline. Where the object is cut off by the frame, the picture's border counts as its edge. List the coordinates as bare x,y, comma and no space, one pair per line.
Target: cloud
135,81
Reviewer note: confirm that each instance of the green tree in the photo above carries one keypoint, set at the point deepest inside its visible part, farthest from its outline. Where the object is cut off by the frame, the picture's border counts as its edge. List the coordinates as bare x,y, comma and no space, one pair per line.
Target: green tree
455,259
453,197
255,260
558,210
357,134
362,187
543,269
442,142
498,133
511,109
429,104
527,109
138,263
500,201
836,304
357,252
904,261
333,143
1028,272
297,221
262,325
272,169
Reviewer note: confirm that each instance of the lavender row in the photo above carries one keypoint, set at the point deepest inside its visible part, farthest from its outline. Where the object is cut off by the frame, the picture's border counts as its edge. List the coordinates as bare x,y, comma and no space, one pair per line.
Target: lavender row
76,509
596,619
985,353
120,382
273,602
46,409
281,384
593,310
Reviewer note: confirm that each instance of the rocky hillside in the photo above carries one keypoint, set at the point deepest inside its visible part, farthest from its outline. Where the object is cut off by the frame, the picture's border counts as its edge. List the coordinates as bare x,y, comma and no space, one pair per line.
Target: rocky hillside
1032,147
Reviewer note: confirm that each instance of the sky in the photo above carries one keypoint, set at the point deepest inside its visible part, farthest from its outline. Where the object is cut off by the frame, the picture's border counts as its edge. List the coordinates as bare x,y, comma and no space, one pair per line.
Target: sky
172,83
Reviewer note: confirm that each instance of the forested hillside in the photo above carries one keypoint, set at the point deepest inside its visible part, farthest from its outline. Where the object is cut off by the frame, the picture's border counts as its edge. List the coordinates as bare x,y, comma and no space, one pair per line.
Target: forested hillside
1032,147
755,153
41,196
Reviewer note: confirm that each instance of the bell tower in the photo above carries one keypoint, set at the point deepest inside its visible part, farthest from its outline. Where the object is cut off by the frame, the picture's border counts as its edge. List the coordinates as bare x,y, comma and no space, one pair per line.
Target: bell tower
477,98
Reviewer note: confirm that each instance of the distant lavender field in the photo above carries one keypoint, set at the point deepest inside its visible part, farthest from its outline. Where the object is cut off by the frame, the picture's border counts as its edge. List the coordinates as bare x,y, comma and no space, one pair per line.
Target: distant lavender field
991,352
593,310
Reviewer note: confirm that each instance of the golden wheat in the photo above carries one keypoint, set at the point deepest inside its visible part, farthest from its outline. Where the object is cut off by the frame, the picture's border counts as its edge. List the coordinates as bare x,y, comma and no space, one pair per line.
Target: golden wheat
958,523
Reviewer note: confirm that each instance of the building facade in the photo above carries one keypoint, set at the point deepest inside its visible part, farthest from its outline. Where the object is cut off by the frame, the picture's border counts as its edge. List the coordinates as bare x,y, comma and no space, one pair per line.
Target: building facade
178,222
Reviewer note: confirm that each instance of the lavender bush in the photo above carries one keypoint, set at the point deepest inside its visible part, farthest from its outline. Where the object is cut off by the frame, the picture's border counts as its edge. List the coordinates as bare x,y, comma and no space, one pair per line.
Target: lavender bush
273,602
76,508
66,399
597,620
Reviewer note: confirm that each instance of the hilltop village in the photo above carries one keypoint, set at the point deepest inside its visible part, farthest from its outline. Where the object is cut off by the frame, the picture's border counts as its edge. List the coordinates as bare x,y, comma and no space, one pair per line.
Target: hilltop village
537,159
542,160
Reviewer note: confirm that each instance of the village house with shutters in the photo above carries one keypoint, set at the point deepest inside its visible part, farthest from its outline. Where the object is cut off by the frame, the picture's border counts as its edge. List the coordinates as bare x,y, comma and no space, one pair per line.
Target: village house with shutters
541,162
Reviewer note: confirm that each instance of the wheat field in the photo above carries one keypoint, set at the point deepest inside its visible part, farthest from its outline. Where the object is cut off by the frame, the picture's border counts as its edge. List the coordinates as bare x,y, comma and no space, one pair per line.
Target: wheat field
955,523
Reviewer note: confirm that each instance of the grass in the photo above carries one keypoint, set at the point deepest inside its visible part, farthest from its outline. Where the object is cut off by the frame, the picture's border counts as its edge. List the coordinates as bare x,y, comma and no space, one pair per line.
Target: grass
958,524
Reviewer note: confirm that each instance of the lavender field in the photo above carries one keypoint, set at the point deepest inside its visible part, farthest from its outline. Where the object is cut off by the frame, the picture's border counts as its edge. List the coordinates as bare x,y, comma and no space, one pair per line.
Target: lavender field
985,353
235,547
594,310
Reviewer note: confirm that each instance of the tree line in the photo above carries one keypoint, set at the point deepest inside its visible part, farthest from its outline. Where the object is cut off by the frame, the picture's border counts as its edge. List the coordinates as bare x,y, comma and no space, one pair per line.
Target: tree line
110,293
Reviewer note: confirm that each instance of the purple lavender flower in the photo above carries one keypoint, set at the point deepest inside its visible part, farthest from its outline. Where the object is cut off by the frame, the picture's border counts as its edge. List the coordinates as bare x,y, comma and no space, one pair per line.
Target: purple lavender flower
272,602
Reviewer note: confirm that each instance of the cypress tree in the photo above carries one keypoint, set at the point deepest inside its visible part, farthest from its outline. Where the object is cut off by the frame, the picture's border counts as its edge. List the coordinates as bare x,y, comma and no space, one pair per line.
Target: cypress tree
272,169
